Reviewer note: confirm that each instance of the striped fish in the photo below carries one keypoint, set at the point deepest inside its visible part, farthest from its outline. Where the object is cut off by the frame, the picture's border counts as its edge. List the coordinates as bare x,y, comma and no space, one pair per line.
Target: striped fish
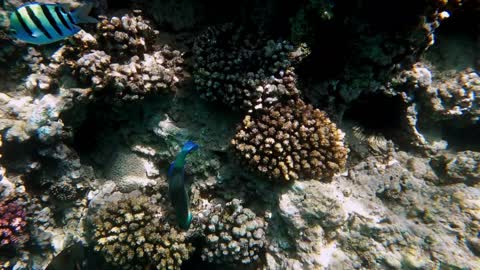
39,24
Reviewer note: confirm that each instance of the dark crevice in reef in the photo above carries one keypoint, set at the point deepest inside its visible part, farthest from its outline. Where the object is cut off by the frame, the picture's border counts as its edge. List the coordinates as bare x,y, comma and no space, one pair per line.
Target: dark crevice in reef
457,40
105,120
118,4
383,15
327,59
379,114
14,153
461,138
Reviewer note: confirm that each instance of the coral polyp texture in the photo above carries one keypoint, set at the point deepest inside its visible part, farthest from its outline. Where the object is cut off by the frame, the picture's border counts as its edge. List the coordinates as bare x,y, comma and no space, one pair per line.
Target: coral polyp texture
13,224
456,96
244,71
126,36
234,234
291,141
133,234
122,56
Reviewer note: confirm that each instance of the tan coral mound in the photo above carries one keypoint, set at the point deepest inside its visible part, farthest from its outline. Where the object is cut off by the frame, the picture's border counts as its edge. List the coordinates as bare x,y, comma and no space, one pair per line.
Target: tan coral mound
132,234
291,141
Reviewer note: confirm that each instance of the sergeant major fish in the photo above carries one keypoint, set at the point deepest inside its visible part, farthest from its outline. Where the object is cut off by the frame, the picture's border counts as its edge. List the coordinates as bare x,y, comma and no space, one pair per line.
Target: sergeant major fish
176,186
39,24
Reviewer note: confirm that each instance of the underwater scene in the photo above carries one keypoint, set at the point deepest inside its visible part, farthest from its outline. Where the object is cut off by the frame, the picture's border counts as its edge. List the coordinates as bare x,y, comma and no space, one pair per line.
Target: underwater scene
239,135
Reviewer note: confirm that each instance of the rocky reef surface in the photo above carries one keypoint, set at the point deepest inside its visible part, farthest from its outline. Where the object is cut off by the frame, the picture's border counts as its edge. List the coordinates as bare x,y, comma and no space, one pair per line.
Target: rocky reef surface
332,135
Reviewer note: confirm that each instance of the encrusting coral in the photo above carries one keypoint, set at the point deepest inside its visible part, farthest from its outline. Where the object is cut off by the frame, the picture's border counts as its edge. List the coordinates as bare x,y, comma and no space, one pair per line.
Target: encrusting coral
132,234
13,224
234,234
456,96
63,191
291,141
244,71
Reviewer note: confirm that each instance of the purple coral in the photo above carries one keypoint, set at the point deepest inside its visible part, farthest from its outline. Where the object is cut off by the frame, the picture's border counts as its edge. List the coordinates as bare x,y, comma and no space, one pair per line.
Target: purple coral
13,224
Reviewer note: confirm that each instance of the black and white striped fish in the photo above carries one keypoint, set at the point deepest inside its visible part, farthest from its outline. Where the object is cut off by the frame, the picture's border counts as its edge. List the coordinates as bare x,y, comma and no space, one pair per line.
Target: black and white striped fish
39,23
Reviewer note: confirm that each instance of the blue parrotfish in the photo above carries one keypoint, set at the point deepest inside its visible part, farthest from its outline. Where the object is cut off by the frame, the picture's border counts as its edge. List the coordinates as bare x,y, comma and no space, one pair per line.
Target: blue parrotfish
176,186
39,24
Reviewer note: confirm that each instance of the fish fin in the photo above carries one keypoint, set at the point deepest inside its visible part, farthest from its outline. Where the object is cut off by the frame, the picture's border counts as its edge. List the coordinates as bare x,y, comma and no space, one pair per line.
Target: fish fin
189,146
187,222
80,15
64,6
76,29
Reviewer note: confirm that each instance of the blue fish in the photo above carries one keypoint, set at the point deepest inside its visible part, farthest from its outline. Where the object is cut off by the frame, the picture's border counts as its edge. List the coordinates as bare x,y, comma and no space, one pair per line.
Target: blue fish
39,24
176,186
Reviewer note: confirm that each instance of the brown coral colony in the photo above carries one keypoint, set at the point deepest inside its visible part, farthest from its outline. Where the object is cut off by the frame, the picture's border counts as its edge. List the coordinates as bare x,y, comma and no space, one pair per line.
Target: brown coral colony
291,141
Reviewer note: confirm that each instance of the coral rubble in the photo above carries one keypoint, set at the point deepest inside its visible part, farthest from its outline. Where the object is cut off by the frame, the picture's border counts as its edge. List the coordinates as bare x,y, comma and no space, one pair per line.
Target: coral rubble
291,141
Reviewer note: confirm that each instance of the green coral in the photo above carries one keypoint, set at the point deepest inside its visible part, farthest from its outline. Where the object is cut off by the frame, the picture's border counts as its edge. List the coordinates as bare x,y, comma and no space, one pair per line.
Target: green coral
134,233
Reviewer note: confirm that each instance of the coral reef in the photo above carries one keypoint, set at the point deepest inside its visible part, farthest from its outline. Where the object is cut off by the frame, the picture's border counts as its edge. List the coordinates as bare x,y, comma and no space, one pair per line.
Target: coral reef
456,96
234,234
355,220
381,40
123,56
13,224
63,191
437,102
446,95
244,71
462,167
125,36
132,234
409,200
291,141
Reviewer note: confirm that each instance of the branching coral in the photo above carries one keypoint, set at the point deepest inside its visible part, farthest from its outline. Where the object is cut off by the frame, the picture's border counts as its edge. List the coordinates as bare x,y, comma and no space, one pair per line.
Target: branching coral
244,71
126,36
131,234
234,234
291,141
122,54
13,231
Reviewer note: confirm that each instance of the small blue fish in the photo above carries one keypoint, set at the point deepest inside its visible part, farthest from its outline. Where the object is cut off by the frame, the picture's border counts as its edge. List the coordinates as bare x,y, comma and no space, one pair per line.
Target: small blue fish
39,24
176,186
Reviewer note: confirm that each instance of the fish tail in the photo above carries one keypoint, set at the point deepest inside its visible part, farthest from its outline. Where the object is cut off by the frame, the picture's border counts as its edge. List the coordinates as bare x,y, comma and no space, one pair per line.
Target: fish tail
186,224
189,146
80,15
